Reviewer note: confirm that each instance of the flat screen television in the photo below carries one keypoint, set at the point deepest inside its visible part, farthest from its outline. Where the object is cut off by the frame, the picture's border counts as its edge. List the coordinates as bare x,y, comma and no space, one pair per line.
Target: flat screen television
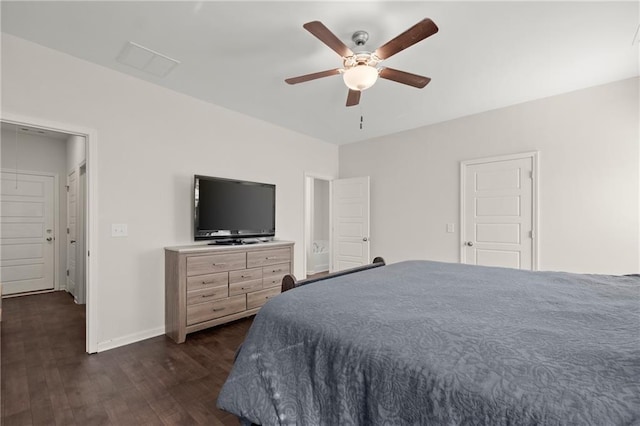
227,209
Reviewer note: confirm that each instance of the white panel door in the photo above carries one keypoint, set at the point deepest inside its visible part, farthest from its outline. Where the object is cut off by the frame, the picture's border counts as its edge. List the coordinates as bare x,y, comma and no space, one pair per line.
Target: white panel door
26,233
350,222
498,213
72,220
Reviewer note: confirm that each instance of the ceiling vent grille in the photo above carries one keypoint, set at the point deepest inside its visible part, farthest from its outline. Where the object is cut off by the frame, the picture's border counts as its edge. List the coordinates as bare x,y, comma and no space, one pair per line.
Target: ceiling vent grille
147,60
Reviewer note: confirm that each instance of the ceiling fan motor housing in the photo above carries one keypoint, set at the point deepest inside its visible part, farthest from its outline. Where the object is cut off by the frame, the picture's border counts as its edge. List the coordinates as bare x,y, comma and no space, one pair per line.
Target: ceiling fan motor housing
361,58
360,37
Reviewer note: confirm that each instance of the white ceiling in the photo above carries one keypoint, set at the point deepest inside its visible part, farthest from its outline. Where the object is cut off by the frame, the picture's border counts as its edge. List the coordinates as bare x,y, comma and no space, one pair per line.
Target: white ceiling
486,55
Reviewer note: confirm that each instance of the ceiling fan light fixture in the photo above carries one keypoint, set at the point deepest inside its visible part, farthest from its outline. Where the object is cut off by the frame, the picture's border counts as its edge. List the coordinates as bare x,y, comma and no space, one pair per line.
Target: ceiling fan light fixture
360,77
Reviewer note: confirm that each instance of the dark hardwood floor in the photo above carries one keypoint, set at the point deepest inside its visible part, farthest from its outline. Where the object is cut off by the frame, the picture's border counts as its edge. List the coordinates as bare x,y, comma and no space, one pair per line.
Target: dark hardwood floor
48,379
318,275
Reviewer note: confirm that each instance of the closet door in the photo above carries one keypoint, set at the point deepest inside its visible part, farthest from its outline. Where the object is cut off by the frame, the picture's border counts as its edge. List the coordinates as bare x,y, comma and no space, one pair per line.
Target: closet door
26,233
497,213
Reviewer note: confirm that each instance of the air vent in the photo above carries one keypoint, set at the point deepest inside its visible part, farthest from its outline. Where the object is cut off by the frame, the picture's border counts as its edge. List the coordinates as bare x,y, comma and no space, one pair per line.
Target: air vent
146,60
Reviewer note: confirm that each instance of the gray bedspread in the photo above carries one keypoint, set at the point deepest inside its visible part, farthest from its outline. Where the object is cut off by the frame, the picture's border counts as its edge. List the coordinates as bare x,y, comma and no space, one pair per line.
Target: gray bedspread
429,343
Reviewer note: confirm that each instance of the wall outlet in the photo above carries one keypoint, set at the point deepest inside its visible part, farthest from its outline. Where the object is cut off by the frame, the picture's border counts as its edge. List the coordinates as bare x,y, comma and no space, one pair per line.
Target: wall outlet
119,230
451,227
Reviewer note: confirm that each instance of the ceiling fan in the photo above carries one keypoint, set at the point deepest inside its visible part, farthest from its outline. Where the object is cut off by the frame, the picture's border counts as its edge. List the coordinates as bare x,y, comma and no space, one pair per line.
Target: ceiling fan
362,69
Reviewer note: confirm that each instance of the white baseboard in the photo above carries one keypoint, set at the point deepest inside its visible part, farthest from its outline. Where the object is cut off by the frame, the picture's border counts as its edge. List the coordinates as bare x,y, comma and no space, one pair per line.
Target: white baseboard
318,269
323,267
130,338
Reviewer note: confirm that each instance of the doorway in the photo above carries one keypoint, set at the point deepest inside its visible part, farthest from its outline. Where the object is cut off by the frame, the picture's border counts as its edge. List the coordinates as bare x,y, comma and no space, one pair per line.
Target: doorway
336,223
23,152
498,211
317,225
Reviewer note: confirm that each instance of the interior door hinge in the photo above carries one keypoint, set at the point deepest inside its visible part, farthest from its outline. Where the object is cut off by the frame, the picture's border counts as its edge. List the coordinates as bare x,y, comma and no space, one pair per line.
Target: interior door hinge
67,186
67,230
531,234
531,174
67,272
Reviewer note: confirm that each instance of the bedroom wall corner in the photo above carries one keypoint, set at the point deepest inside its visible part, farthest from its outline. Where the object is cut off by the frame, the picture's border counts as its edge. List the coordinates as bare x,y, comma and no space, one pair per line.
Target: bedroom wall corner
589,178
152,142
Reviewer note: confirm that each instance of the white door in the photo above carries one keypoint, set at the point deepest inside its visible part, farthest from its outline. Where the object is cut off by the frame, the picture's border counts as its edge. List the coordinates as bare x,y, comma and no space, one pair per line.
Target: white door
497,212
72,219
350,223
26,233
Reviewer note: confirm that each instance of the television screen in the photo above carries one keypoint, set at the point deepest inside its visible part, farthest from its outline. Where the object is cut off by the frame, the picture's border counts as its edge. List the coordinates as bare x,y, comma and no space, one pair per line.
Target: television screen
226,208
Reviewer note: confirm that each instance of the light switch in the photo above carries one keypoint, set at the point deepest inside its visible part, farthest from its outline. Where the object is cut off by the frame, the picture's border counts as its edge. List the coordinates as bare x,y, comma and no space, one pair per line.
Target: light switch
451,227
119,230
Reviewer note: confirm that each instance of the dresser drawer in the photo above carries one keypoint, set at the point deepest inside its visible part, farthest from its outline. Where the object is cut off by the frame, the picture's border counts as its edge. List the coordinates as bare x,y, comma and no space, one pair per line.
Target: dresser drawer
268,257
259,298
207,294
244,287
200,282
272,275
199,265
245,275
216,309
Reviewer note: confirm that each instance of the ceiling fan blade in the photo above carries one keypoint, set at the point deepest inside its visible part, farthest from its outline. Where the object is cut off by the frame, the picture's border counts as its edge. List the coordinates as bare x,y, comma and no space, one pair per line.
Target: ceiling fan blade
323,34
315,75
418,32
404,77
353,98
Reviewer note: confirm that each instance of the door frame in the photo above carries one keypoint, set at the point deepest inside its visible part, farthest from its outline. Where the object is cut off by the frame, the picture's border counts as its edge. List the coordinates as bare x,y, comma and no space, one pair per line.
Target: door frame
82,190
307,218
535,213
56,222
91,200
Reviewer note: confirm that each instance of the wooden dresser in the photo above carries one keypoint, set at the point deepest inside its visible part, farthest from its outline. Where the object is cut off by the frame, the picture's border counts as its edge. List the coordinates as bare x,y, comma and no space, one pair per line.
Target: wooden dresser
210,285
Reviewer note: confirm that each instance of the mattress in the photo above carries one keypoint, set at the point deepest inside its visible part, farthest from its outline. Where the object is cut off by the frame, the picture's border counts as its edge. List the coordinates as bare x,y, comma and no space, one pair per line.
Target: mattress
423,342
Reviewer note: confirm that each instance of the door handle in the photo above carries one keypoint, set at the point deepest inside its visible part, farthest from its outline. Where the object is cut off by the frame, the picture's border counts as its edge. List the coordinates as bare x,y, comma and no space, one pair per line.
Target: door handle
72,241
49,239
365,239
469,243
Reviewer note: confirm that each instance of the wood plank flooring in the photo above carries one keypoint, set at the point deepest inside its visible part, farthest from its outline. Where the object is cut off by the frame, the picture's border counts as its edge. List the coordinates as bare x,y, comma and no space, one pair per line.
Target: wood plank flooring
318,275
48,379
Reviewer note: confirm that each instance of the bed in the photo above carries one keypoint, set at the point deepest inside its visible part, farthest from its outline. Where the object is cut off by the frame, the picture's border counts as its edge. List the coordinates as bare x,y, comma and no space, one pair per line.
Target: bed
423,342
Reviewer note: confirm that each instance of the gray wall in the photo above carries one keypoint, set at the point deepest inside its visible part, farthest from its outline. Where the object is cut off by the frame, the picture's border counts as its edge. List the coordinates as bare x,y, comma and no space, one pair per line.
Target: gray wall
589,179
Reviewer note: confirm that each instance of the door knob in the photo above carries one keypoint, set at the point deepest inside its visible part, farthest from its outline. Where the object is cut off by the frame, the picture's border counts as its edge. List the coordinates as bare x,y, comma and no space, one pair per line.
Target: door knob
49,239
365,239
469,243
72,241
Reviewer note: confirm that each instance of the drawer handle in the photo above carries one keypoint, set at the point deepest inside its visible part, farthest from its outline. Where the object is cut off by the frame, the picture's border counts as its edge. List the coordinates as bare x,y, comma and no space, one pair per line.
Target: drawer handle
208,295
218,309
218,264
207,282
269,258
276,270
